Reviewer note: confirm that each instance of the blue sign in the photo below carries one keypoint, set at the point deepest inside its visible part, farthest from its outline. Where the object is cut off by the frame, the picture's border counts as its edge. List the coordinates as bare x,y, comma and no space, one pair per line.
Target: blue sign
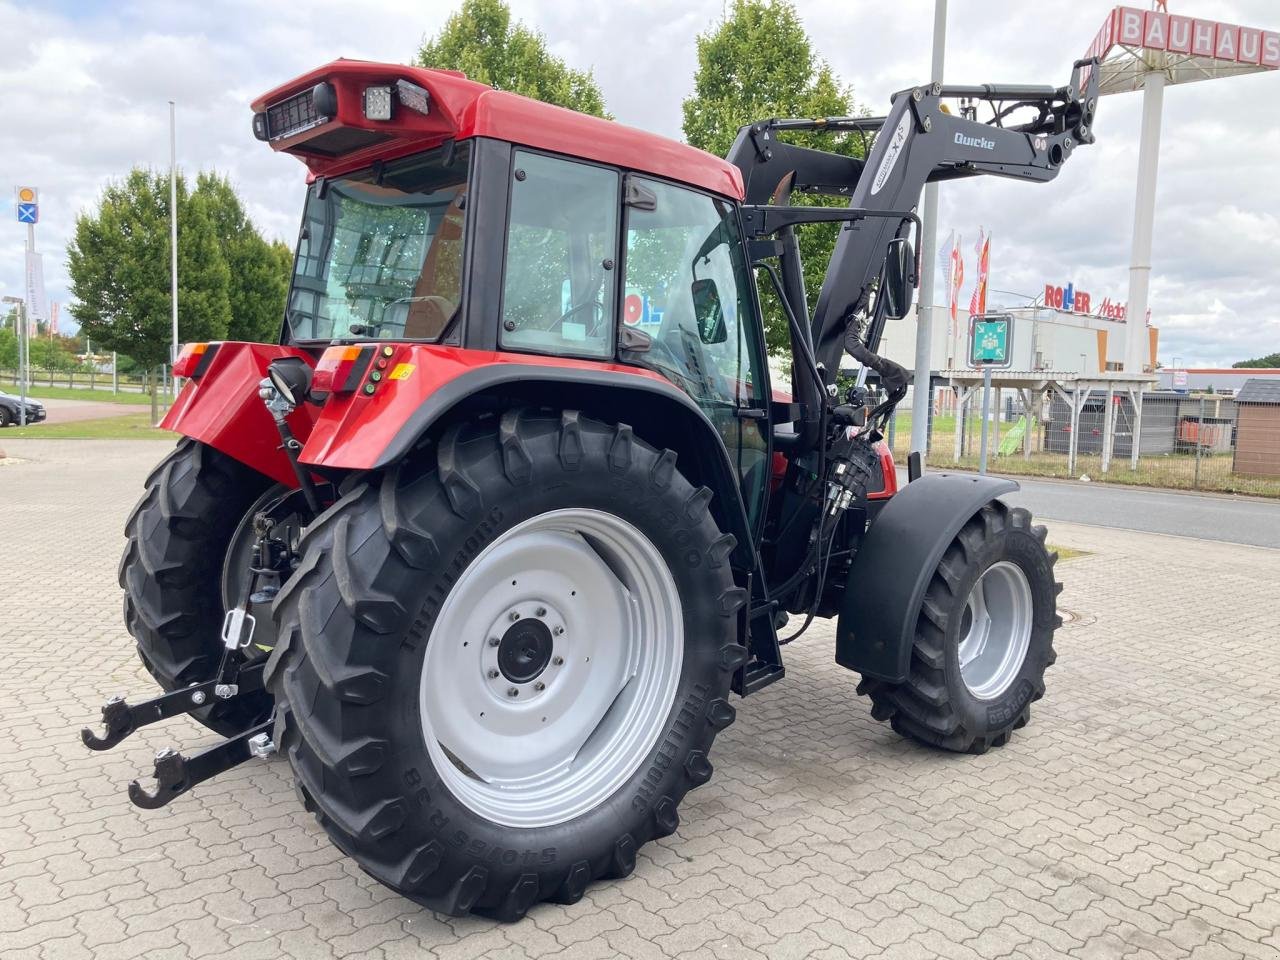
28,213
989,340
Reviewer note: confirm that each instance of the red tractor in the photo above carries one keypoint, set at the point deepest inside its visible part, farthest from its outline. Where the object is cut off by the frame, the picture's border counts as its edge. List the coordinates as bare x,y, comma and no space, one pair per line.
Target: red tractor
486,541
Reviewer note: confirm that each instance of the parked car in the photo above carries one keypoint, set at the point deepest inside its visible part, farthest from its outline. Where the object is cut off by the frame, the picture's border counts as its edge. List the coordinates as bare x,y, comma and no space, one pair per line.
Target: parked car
11,406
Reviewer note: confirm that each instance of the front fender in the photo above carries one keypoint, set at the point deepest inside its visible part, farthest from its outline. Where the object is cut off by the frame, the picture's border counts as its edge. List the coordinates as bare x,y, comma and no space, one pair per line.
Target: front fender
891,571
222,408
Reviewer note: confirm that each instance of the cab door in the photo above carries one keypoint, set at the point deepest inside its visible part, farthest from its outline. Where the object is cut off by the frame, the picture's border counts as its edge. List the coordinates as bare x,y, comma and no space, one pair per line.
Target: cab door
688,287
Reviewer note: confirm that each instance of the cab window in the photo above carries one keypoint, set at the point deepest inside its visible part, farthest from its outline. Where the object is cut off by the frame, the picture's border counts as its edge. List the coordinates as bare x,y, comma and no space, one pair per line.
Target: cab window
560,287
689,291
380,253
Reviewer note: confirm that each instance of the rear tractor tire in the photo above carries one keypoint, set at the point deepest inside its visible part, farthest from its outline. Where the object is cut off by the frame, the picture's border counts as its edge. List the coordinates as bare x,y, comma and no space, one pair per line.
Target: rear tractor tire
983,640
172,573
500,665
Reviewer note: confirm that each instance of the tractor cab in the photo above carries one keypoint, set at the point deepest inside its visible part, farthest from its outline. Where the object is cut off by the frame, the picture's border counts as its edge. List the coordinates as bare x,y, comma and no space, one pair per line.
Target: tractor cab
442,211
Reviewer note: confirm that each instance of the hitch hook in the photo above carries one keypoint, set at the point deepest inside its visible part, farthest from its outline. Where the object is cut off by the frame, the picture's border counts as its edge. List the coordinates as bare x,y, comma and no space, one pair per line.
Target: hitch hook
120,718
176,774
117,720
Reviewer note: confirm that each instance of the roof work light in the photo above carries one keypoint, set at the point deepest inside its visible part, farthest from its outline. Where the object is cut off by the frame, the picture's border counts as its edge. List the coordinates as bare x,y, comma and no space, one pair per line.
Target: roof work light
414,97
377,103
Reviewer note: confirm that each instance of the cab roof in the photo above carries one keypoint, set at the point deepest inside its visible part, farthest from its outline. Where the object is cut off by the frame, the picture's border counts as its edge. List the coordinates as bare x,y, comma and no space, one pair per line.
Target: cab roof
460,108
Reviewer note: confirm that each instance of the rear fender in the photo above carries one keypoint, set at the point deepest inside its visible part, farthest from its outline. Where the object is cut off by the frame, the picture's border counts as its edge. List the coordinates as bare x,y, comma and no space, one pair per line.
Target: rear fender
421,388
891,571
222,409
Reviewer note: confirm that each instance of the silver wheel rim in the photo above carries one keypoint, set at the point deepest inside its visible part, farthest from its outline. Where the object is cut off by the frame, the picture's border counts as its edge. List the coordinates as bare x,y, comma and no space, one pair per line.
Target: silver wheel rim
996,630
528,747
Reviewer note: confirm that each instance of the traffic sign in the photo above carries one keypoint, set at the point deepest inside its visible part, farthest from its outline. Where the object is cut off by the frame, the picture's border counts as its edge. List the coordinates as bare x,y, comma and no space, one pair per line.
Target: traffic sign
28,213
991,340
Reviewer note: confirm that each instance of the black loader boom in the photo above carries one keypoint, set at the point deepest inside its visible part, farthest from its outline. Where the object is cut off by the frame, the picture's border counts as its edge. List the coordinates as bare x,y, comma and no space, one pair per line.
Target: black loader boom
1029,134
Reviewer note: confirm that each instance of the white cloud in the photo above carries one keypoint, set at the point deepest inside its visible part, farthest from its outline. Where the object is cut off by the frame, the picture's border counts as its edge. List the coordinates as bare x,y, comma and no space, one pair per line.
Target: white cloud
85,86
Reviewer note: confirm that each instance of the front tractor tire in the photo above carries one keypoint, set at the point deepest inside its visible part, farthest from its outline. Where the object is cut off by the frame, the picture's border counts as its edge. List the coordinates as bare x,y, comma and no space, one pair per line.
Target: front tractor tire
172,573
501,664
983,640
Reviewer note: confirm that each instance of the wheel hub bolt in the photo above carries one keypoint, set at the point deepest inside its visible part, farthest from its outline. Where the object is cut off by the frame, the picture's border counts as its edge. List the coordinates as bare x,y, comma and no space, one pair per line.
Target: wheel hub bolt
515,615
558,661
512,692
558,631
539,686
540,612
494,641
493,674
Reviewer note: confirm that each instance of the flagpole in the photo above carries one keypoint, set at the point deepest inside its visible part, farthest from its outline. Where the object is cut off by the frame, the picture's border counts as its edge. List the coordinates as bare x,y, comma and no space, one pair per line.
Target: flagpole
921,392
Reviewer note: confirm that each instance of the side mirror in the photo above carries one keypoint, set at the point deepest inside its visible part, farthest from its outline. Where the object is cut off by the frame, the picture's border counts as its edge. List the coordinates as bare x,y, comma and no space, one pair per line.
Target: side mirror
708,311
899,278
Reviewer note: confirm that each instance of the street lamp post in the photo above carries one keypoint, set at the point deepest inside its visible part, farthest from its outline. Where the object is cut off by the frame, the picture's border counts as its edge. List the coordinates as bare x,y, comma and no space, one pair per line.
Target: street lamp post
24,351
173,233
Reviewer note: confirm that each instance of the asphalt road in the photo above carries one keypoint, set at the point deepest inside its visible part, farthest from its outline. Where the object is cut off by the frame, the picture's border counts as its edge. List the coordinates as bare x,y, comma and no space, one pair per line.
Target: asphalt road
1229,519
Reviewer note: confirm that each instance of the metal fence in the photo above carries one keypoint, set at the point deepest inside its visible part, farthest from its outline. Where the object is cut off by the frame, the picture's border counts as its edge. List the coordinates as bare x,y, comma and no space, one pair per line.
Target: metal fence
79,379
1203,441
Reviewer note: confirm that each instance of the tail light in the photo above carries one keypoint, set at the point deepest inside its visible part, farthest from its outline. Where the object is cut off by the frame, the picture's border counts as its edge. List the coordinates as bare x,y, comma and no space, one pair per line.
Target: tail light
888,471
194,359
340,369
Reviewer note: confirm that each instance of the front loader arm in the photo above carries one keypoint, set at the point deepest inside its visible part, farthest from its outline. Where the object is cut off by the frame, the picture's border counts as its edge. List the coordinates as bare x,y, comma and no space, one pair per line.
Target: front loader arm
917,142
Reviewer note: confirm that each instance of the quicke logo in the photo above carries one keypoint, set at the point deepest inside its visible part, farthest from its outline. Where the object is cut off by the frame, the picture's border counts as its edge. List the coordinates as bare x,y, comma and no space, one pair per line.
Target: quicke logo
982,143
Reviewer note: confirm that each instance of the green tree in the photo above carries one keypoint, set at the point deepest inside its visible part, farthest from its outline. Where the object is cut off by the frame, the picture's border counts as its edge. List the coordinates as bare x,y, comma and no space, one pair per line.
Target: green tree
8,348
54,354
281,255
259,276
759,63
482,42
118,260
1270,360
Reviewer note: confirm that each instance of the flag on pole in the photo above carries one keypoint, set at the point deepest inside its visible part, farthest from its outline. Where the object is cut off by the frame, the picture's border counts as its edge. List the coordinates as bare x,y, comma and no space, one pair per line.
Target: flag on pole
944,259
945,268
978,302
37,308
957,280
53,318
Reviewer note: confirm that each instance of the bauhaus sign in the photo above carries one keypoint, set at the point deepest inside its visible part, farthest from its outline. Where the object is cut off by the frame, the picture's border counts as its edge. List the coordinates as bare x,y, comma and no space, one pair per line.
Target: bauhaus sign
1157,30
1191,36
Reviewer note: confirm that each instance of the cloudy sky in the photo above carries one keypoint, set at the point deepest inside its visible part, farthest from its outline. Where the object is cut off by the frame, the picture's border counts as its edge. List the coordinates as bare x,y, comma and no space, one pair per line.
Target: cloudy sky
84,87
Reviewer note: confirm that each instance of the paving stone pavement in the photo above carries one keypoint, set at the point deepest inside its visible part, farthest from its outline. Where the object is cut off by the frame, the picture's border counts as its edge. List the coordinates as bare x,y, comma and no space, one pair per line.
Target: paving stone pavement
1137,816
